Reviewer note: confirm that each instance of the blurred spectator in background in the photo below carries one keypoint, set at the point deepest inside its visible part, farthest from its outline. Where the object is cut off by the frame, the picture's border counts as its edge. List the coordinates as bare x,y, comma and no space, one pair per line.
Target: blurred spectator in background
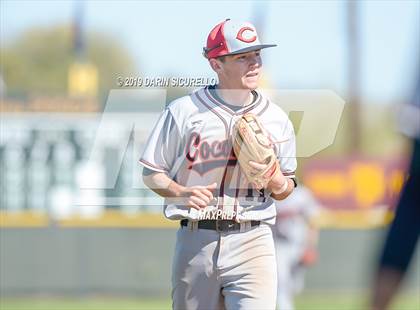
402,237
296,237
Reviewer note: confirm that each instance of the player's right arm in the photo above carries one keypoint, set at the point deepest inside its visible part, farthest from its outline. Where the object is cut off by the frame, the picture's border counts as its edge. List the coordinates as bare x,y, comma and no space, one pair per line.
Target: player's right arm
196,197
161,151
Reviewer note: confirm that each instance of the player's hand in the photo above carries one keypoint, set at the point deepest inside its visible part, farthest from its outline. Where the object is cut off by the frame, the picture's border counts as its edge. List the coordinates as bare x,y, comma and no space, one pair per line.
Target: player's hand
276,182
198,197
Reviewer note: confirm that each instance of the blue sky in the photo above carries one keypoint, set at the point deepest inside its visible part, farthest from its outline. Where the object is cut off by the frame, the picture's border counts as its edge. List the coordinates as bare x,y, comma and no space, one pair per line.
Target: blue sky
166,37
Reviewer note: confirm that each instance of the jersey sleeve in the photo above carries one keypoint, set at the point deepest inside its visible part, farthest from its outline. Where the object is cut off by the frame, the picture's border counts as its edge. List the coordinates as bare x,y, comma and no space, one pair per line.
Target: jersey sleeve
287,152
163,144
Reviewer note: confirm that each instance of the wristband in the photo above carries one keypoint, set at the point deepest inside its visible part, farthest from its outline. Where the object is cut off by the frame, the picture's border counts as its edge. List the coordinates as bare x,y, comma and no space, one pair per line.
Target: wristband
283,188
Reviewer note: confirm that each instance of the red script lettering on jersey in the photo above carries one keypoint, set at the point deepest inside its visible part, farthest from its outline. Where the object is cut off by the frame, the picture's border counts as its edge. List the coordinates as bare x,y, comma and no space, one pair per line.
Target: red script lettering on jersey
197,149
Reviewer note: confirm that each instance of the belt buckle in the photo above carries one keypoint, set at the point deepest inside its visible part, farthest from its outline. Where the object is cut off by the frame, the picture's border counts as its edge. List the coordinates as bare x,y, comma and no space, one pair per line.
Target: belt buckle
224,226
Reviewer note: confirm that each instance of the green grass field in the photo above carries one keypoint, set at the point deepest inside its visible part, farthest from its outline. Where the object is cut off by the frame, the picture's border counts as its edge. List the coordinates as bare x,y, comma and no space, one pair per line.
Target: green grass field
309,301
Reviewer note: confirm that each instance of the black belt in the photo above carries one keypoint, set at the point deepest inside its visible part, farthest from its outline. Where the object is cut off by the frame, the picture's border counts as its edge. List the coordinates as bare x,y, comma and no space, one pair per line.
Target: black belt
219,225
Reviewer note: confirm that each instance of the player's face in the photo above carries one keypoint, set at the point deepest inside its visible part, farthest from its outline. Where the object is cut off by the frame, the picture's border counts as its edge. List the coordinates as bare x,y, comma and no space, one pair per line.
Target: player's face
240,71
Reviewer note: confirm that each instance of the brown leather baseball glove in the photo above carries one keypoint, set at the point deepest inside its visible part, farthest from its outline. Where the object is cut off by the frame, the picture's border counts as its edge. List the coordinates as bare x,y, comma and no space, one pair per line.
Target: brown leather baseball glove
251,143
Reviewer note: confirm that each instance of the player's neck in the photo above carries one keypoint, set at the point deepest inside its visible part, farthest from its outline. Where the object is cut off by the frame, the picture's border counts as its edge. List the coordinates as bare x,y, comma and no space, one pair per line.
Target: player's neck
238,97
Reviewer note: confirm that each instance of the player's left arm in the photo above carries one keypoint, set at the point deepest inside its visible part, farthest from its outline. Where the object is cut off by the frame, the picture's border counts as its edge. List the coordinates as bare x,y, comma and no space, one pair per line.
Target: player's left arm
281,185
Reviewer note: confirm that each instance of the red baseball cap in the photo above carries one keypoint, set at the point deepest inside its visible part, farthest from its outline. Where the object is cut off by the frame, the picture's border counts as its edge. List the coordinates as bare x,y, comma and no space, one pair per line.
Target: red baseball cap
232,37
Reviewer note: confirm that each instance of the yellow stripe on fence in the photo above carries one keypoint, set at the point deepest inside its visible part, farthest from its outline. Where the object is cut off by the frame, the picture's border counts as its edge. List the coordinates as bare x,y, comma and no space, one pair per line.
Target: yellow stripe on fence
118,219
354,219
23,219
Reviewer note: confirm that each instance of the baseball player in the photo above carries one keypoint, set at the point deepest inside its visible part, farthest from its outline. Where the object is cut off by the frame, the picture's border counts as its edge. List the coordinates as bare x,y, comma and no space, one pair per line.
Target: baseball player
295,237
224,254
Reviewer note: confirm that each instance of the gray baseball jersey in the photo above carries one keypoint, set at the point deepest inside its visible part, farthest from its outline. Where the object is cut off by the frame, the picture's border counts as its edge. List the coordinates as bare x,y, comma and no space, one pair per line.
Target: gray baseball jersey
191,143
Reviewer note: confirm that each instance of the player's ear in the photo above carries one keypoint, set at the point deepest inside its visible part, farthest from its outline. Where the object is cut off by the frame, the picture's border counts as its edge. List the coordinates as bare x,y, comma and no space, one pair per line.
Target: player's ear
215,64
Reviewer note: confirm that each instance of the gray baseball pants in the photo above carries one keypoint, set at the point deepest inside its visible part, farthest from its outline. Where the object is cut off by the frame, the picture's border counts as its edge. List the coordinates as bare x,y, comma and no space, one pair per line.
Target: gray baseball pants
224,270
